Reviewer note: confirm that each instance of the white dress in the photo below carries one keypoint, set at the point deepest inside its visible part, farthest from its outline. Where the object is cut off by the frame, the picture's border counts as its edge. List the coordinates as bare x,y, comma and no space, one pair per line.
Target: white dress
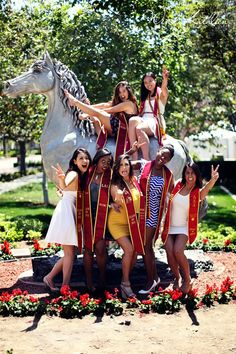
149,117
179,215
62,228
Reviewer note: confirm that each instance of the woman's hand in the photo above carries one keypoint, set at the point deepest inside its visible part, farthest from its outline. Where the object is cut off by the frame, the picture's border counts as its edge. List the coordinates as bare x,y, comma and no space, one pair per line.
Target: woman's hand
72,100
118,196
165,72
137,144
116,207
214,177
59,171
214,173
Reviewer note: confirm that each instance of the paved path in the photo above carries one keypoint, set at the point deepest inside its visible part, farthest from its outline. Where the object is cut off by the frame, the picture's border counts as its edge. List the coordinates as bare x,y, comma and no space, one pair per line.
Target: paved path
7,163
20,182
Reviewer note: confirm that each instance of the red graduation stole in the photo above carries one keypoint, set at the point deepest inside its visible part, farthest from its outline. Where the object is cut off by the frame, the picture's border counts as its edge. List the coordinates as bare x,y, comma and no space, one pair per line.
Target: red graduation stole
79,215
122,140
92,234
194,198
156,112
136,227
145,186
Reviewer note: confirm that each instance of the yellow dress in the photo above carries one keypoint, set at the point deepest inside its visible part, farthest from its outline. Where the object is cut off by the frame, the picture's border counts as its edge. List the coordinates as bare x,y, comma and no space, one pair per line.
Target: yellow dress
118,222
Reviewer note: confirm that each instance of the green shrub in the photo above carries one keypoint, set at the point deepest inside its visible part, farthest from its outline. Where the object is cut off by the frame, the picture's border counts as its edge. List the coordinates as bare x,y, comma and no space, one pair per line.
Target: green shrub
32,235
223,238
24,224
9,232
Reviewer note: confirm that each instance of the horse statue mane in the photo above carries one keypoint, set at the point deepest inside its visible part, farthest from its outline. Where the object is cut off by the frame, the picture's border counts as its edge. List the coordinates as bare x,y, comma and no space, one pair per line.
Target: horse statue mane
63,131
69,81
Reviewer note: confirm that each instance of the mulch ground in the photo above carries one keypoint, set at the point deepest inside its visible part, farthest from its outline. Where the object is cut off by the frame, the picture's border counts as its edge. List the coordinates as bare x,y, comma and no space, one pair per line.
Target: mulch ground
224,265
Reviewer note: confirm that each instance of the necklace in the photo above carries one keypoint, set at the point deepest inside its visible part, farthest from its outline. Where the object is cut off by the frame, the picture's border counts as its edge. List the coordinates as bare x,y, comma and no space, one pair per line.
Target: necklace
96,177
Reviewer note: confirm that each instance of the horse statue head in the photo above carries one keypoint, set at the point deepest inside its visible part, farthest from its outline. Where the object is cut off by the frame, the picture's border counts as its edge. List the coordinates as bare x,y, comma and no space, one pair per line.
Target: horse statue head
63,131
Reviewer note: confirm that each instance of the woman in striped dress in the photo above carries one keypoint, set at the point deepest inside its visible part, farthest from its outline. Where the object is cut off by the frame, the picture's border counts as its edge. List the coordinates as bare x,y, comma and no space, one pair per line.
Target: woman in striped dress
156,180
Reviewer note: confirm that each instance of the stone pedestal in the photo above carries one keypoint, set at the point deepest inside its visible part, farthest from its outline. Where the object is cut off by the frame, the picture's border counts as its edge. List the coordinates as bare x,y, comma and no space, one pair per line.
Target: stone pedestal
197,259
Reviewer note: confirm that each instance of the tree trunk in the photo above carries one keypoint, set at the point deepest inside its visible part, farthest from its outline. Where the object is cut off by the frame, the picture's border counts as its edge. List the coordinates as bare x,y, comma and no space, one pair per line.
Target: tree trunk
45,189
4,145
22,158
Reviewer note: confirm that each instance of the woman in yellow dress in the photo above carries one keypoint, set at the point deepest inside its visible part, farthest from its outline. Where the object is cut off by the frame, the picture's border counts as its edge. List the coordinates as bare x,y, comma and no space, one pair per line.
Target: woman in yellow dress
127,225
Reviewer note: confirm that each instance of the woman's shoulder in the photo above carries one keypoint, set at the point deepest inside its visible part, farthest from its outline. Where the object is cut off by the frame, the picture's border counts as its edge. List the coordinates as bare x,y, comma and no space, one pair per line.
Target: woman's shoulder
72,174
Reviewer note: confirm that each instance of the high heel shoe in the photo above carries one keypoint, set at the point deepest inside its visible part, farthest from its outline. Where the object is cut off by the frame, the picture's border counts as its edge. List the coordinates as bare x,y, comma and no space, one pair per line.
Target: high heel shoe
186,287
176,284
152,288
126,290
50,285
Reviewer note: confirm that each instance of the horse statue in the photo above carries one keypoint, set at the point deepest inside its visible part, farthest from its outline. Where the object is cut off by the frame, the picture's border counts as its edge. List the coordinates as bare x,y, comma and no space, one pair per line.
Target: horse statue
63,131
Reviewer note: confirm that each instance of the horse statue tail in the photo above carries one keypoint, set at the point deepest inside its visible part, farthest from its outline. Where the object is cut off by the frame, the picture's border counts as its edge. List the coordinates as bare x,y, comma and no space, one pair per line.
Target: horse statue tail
186,150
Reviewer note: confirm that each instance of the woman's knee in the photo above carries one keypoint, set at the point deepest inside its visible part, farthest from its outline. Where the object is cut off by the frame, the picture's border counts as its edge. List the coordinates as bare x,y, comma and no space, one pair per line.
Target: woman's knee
129,251
69,251
148,248
178,252
134,121
139,129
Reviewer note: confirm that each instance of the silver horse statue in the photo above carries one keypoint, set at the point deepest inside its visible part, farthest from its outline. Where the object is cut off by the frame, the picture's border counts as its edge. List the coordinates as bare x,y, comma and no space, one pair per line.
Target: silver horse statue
63,131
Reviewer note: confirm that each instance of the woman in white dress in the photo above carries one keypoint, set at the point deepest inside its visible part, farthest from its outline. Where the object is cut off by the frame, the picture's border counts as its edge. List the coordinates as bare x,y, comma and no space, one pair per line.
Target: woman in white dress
150,121
62,228
182,220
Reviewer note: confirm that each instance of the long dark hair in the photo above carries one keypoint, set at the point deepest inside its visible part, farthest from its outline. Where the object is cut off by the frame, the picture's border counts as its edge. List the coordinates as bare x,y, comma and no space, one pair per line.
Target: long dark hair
145,92
116,177
101,153
116,98
74,167
197,172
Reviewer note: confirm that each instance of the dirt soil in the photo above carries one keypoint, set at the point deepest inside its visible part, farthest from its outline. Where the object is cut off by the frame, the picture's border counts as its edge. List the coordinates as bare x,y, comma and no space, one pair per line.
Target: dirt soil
203,331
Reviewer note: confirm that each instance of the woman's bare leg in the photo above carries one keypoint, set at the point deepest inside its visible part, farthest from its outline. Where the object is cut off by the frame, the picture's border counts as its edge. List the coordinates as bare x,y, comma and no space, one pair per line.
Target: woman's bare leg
149,257
101,258
96,122
103,116
55,270
133,122
128,249
69,253
143,132
179,247
174,266
88,267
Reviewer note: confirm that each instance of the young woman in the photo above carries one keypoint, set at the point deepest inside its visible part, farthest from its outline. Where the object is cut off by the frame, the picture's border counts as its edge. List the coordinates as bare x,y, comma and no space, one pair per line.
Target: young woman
109,116
150,121
182,220
156,181
127,226
63,228
96,201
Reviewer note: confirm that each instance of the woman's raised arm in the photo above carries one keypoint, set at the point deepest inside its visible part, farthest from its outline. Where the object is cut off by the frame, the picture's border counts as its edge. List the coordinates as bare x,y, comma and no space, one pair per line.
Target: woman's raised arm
214,177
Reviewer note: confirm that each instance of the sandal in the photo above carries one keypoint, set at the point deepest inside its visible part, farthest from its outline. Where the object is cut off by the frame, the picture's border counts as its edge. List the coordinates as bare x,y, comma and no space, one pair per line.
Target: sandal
186,287
50,285
176,284
126,290
152,287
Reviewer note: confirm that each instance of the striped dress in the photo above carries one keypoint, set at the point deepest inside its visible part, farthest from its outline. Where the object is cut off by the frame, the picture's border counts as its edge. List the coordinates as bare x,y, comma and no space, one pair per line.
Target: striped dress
155,193
156,187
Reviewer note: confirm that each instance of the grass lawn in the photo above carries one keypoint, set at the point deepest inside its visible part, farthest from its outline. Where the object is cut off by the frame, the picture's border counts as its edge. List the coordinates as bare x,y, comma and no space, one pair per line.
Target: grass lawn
28,201
222,209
